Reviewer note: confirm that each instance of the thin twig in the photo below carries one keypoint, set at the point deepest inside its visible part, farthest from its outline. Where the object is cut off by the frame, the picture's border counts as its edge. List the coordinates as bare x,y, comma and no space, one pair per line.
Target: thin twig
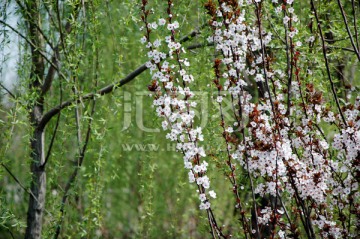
29,17
355,24
55,130
326,61
75,172
33,45
11,234
20,184
347,29
289,58
55,57
8,91
17,180
82,150
50,15
341,48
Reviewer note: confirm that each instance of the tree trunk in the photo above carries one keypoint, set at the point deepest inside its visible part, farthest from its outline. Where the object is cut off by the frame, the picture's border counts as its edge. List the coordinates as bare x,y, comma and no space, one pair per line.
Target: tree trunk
38,184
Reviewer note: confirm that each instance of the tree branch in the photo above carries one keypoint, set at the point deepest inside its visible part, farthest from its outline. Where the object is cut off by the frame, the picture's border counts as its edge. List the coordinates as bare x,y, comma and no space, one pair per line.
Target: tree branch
341,48
355,24
55,131
348,30
326,61
33,45
75,172
8,91
20,184
22,7
103,91
54,59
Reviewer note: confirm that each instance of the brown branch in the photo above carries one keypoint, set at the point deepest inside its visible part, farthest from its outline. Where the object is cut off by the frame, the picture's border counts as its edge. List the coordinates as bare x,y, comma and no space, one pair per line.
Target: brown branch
342,48
289,59
11,234
50,15
106,90
355,24
7,90
54,132
348,29
16,180
326,61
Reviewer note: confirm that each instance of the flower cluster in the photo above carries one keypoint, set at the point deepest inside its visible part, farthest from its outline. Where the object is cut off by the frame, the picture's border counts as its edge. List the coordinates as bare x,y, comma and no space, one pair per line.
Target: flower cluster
172,100
277,133
283,147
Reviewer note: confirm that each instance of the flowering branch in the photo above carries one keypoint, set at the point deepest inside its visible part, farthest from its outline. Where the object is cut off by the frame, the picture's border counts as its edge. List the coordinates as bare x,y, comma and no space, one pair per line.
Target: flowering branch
172,102
295,173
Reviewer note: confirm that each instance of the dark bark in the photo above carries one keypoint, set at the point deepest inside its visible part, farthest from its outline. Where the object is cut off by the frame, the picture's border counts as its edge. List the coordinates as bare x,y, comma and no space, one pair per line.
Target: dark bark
38,187
38,183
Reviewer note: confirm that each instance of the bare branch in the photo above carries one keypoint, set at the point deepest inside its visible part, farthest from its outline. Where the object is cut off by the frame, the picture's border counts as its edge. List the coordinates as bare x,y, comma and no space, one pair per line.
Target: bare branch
326,61
54,132
20,184
348,30
8,91
341,48
355,24
16,179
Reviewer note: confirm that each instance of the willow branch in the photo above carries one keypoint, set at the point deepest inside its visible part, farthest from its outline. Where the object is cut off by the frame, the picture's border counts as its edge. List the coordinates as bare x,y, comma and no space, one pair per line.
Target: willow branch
75,172
54,59
33,45
103,91
22,7
82,151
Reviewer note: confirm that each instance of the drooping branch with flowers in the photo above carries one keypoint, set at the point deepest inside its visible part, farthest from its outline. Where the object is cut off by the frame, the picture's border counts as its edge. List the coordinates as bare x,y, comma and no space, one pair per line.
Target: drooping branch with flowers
299,152
170,86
